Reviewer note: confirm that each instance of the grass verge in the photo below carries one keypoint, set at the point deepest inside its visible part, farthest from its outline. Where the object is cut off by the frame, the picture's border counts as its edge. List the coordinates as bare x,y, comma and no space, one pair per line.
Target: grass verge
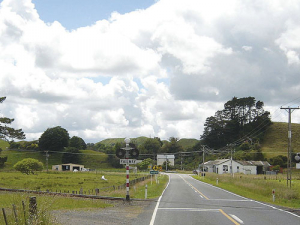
259,187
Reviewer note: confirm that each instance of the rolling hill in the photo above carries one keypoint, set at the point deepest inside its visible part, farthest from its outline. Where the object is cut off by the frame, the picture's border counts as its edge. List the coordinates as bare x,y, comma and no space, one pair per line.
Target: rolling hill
276,139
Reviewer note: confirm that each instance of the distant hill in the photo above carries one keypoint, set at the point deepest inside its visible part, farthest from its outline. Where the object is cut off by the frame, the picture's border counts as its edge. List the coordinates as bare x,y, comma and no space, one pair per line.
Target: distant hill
276,139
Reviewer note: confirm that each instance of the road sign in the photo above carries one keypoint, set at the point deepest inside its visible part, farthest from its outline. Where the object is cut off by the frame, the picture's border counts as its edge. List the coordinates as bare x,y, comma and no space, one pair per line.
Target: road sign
155,167
130,161
153,172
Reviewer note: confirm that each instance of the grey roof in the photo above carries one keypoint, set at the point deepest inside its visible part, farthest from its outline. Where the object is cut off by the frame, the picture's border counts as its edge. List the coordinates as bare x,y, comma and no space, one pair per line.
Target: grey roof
244,163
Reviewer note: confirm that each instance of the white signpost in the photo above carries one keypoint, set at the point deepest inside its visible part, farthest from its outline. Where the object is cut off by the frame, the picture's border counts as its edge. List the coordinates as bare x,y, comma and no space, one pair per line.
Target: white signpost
129,161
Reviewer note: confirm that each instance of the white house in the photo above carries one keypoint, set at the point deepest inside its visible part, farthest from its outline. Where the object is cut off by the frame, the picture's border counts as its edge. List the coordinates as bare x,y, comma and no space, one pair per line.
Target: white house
163,158
222,166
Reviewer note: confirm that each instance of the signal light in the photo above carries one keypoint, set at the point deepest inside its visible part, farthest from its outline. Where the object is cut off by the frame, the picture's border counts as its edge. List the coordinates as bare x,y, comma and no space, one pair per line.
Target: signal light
120,153
134,153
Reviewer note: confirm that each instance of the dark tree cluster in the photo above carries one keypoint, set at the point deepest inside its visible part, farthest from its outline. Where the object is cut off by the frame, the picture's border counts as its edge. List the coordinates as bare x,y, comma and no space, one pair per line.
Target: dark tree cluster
7,132
239,117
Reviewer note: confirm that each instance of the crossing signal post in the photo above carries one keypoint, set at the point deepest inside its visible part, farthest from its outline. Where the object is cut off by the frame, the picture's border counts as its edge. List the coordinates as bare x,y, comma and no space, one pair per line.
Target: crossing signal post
131,151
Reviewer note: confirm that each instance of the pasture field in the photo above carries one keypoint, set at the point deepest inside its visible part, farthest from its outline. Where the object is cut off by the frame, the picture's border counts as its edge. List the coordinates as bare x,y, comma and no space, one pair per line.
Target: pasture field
259,187
68,182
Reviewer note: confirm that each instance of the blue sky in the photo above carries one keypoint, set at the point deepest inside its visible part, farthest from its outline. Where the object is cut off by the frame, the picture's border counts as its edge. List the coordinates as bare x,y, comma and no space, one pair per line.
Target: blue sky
73,14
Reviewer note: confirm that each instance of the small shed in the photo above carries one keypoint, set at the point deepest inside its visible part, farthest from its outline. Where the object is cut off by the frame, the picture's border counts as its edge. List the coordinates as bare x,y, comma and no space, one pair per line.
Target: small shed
68,167
163,158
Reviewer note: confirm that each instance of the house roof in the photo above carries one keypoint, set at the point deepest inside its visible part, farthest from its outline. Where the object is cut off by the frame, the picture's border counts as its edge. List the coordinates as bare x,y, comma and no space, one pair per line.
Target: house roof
259,163
216,162
244,163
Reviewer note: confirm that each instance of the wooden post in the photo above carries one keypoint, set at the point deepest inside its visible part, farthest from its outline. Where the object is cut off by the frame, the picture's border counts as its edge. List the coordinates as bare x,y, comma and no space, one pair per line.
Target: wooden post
4,215
24,212
32,207
15,214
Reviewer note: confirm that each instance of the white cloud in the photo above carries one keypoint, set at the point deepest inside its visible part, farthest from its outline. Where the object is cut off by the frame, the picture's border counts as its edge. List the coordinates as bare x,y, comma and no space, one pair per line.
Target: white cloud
155,72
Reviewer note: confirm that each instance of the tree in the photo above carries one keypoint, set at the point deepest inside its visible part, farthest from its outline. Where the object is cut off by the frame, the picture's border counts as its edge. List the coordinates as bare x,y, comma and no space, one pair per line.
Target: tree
144,164
54,139
172,146
6,131
28,166
78,143
2,161
152,146
239,117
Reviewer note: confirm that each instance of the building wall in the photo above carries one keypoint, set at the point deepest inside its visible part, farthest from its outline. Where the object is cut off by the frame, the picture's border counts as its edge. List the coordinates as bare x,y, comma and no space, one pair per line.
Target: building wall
250,170
67,167
162,158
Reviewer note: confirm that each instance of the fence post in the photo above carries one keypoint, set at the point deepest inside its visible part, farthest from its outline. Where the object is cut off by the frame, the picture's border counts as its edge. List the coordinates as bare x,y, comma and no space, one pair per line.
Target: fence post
24,212
15,214
4,215
32,207
146,187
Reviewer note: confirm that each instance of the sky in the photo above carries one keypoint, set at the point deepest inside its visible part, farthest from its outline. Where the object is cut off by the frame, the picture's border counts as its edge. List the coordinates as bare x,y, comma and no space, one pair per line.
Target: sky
155,68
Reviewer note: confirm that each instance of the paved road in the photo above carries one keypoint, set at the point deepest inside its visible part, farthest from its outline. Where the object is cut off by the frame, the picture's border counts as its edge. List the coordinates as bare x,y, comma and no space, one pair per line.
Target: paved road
188,201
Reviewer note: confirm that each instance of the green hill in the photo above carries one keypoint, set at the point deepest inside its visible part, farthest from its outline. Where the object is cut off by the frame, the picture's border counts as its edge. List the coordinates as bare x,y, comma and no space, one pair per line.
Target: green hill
276,139
89,158
187,143
3,144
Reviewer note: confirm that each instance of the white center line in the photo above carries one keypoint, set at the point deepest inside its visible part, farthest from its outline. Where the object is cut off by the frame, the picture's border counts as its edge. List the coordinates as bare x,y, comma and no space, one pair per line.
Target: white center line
237,219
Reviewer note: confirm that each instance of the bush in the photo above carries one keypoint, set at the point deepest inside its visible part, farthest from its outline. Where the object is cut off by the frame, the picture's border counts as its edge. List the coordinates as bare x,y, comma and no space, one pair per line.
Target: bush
28,166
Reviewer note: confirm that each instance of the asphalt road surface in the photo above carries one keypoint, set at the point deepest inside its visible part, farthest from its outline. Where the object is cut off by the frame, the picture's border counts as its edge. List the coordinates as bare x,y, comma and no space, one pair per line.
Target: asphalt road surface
189,201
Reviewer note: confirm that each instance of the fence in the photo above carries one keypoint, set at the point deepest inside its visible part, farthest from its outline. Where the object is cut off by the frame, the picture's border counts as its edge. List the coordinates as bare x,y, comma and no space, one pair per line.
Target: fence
92,193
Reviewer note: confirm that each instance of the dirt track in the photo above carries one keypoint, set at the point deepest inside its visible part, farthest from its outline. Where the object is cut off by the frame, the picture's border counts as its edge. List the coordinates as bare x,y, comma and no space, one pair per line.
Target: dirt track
135,212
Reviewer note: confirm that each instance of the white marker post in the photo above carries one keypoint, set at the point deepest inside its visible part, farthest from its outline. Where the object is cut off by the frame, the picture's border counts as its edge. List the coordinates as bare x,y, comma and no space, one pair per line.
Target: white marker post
146,190
273,193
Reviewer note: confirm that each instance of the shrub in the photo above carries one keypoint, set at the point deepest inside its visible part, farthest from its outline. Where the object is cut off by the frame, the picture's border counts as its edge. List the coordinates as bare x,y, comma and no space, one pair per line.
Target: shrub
28,166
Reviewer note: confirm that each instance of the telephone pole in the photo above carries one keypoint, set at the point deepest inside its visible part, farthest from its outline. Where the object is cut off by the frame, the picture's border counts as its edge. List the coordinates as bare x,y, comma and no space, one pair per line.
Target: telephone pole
289,158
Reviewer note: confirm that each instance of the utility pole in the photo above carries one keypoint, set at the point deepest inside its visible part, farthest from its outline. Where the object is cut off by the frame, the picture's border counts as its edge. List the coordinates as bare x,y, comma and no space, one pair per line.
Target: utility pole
231,167
203,154
289,158
47,156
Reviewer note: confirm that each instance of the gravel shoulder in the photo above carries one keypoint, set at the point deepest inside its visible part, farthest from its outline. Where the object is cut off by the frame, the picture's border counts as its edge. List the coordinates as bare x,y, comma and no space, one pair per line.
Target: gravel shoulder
123,212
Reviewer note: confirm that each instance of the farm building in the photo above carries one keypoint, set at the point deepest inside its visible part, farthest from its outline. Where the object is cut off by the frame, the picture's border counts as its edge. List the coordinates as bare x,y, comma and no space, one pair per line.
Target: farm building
222,166
68,167
163,158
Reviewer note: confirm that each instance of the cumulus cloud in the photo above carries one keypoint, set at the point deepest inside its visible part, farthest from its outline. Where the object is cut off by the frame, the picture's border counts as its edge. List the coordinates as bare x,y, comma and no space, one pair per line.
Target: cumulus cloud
160,71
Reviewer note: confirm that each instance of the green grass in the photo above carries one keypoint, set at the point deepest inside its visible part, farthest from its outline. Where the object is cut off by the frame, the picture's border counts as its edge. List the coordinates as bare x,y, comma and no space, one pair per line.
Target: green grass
276,139
69,182
259,187
62,181
45,204
3,144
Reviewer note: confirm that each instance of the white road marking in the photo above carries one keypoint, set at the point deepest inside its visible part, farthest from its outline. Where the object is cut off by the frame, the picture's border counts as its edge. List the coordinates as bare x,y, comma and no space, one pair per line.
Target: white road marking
237,219
191,209
157,204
